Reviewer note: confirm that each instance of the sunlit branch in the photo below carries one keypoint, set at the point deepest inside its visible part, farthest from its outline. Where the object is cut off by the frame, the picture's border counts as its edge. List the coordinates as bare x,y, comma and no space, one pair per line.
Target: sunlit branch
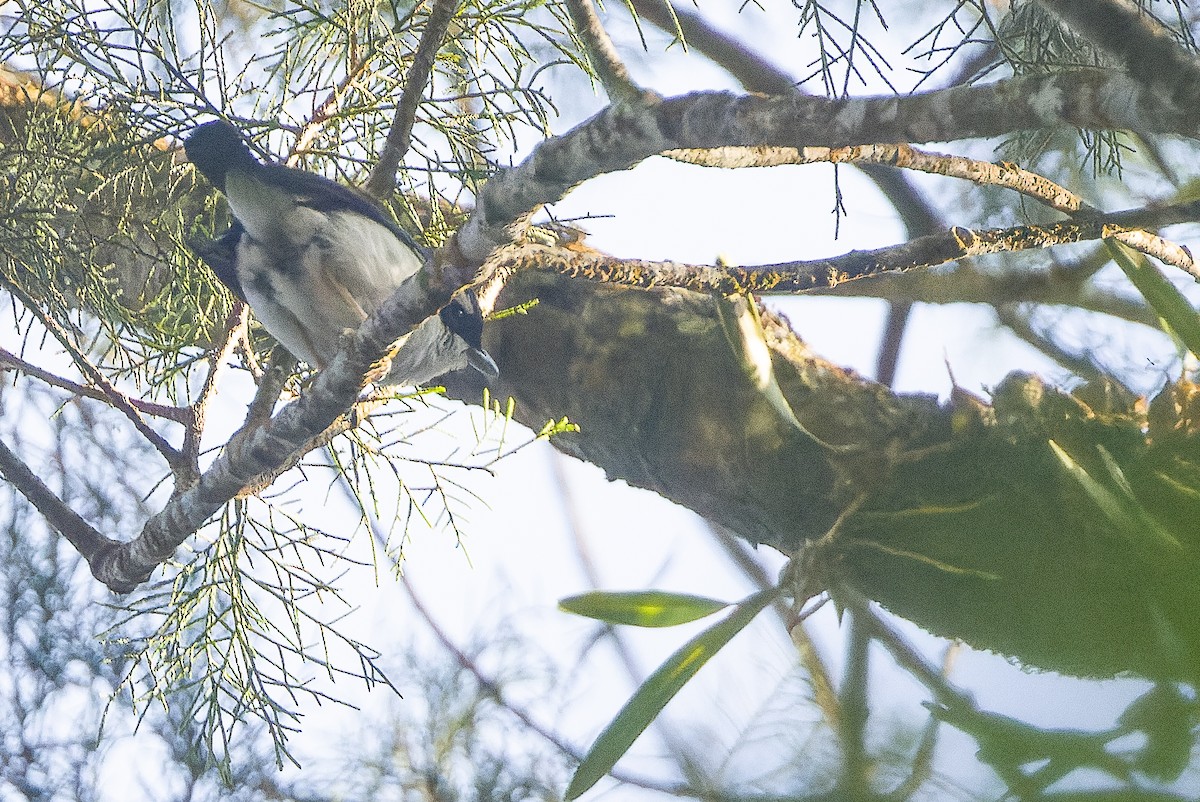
1005,174
757,74
326,109
791,277
1063,283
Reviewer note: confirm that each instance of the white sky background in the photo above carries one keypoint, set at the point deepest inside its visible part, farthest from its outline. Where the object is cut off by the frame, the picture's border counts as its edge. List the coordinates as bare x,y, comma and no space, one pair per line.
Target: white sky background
522,550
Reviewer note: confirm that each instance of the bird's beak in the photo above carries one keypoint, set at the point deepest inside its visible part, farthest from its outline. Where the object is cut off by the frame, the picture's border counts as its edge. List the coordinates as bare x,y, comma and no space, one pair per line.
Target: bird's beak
482,362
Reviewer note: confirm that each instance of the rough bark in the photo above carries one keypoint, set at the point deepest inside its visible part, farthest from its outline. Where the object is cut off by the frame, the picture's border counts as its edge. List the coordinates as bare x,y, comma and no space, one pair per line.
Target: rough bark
1007,526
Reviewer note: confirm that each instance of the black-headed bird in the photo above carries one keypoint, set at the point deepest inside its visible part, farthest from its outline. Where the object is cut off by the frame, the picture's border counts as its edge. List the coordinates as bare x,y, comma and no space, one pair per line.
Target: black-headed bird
314,258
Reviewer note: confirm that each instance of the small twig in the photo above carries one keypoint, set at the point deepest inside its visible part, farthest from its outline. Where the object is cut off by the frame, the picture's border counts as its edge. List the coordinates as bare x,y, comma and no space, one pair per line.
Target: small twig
232,336
382,181
810,655
326,109
175,414
115,398
903,652
1146,48
1005,174
490,686
922,764
743,63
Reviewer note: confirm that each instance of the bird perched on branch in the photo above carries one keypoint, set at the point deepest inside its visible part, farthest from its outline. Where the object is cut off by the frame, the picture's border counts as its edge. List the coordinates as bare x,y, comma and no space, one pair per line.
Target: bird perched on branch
314,258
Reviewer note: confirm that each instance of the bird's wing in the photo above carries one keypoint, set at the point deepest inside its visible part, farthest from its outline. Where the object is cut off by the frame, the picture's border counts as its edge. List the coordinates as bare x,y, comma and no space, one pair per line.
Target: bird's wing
319,193
365,258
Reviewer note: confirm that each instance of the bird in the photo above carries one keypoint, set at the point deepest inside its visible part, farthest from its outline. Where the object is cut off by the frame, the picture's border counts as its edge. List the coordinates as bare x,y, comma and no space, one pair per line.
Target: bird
314,258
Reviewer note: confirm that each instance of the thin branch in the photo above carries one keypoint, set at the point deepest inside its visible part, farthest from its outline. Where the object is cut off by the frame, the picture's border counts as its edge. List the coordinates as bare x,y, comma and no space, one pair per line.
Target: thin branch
1065,283
382,181
810,656
791,277
1021,327
748,66
111,394
257,449
855,711
1005,174
905,655
89,542
175,414
232,336
487,684
1145,48
326,109
602,54
887,361
756,74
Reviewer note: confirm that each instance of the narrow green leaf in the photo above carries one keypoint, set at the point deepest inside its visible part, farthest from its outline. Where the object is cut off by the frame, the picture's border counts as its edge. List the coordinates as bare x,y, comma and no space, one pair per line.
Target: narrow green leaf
744,332
642,608
1166,301
658,689
1119,506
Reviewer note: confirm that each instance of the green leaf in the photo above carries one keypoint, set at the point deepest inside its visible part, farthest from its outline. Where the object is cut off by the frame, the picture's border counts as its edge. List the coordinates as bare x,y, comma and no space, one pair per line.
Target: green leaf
649,700
642,608
744,332
1166,301
1118,505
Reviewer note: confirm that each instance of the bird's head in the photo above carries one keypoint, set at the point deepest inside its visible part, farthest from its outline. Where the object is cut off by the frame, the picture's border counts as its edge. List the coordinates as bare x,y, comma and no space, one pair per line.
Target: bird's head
216,148
463,317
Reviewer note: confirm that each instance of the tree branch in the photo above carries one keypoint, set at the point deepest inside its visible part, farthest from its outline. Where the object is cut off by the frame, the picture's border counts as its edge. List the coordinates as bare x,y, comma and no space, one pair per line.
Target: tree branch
382,181
176,414
624,134
90,543
790,277
1005,174
750,69
1148,50
115,398
259,449
602,54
